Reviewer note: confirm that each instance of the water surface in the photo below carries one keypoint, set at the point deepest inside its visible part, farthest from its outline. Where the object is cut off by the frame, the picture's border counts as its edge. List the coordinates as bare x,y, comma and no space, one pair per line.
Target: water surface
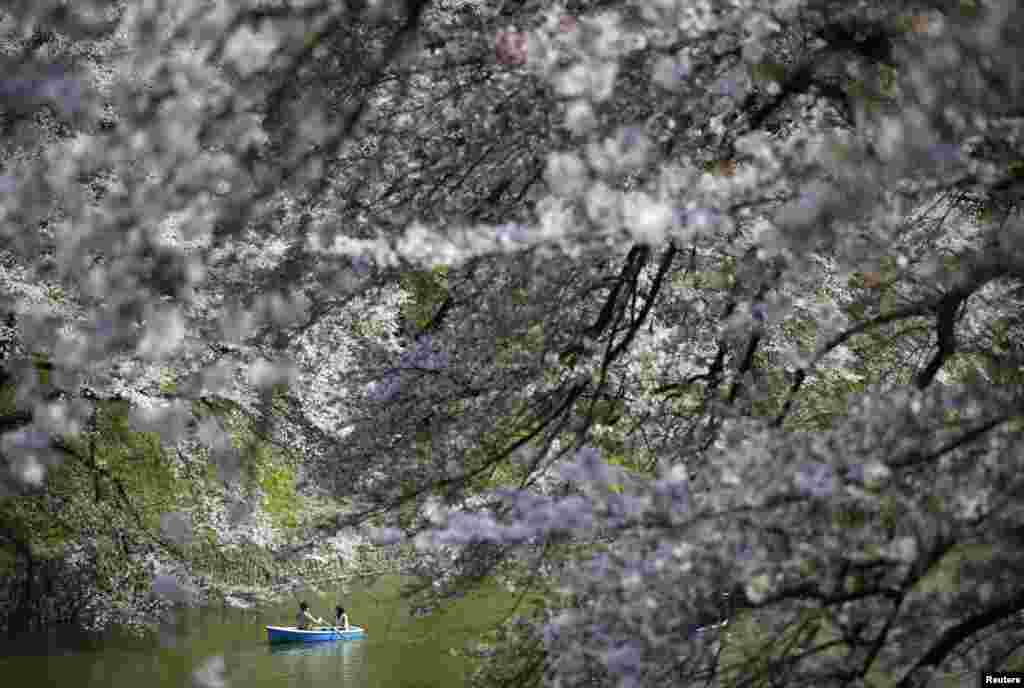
399,650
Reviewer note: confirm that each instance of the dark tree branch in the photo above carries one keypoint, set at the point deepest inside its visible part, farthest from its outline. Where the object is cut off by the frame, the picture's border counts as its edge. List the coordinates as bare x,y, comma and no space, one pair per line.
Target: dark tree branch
746,365
614,305
802,373
659,278
957,634
917,458
635,260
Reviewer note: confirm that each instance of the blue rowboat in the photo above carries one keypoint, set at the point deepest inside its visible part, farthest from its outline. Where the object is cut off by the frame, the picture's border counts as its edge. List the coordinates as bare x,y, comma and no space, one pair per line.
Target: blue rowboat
291,634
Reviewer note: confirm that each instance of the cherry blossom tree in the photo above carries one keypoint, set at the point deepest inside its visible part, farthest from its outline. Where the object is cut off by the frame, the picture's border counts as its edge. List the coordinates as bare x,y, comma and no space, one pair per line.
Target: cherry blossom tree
672,313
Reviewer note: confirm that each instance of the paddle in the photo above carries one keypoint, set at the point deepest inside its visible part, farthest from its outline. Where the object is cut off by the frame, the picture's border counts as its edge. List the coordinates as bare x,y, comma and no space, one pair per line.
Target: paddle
349,630
324,626
336,628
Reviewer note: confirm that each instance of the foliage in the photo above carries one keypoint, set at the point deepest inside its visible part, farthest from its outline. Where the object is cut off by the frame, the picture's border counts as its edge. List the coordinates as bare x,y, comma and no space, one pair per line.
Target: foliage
426,290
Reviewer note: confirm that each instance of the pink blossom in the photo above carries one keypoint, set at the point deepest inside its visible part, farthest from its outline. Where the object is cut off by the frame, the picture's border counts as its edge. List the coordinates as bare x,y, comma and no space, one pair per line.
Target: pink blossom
510,48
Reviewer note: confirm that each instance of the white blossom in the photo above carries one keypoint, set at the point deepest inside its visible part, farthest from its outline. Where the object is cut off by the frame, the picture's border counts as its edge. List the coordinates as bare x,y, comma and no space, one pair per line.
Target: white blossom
646,218
250,50
566,174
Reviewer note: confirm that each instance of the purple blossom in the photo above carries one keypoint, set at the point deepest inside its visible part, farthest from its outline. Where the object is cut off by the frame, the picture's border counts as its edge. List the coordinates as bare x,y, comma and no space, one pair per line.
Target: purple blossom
759,312
463,528
943,153
630,137
954,403
512,232
622,507
54,87
698,217
600,566
624,659
423,355
816,479
27,439
172,589
809,200
589,467
540,517
361,265
664,553
66,92
18,88
105,329
589,456
518,533
641,569
551,633
526,503
674,492
536,515
681,70
727,87
601,635
573,513
384,390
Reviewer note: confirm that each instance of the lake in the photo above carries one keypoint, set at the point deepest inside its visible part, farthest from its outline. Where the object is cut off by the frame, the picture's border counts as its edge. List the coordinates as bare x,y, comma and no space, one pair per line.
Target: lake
399,650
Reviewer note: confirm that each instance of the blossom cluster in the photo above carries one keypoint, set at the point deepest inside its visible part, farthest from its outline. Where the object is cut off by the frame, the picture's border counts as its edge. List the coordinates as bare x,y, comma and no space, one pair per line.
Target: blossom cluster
423,355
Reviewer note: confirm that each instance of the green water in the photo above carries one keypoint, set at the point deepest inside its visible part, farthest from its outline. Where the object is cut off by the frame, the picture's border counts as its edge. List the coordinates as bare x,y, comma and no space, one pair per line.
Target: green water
399,651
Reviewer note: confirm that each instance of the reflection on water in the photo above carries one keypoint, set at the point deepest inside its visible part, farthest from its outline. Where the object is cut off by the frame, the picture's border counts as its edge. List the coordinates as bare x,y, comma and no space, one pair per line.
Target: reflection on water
335,648
337,662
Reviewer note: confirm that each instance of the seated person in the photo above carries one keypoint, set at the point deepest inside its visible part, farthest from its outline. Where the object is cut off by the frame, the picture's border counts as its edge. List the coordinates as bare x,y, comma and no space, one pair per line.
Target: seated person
304,620
341,618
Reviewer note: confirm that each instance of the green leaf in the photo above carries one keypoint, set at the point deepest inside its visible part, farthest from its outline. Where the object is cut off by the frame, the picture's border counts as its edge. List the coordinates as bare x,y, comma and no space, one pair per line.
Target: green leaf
887,79
427,290
768,71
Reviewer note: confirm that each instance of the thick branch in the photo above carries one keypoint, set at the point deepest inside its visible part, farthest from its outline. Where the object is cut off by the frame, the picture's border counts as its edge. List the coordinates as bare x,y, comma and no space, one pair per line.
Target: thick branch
659,278
917,458
952,637
839,339
945,328
746,365
635,260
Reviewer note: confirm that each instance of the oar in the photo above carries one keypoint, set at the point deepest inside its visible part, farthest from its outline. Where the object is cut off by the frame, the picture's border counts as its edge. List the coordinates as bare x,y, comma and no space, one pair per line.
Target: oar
342,630
336,628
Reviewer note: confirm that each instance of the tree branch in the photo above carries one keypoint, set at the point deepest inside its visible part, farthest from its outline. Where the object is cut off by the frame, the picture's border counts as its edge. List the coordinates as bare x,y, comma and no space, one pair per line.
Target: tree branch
952,637
945,327
802,373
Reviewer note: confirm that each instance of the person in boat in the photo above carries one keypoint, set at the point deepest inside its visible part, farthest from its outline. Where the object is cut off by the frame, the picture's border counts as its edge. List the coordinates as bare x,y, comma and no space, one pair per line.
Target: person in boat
341,618
304,620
